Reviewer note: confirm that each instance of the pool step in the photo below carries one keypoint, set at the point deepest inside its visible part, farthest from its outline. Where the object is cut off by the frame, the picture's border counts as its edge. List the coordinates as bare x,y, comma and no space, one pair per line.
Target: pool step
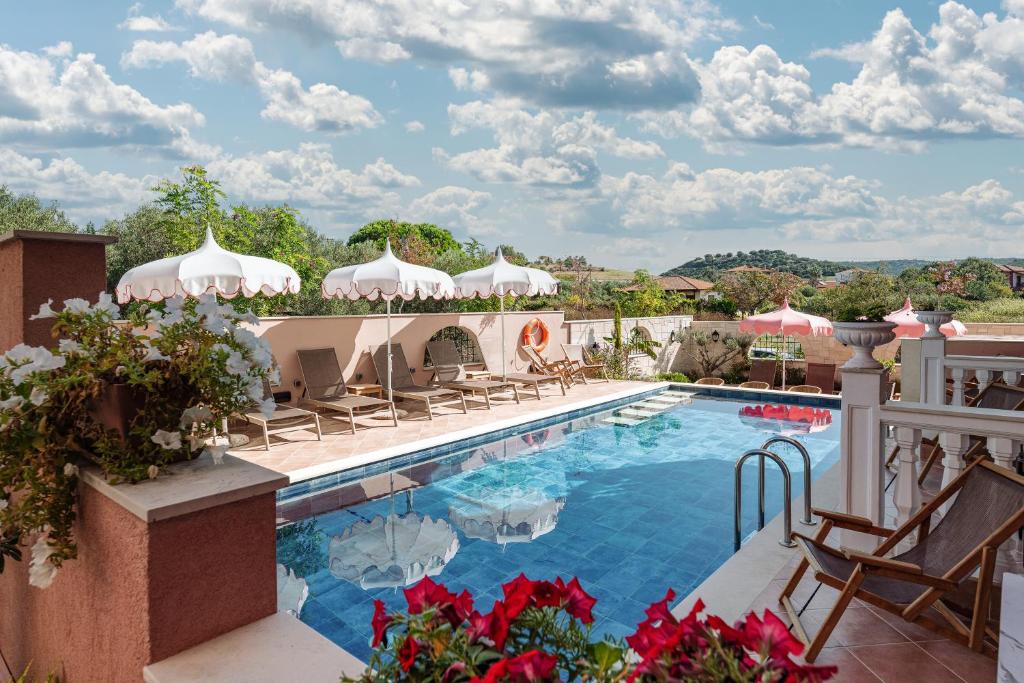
620,421
636,414
677,392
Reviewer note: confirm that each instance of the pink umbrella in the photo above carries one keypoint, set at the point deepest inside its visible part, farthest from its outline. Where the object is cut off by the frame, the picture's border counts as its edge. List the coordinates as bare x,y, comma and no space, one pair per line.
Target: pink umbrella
786,321
907,324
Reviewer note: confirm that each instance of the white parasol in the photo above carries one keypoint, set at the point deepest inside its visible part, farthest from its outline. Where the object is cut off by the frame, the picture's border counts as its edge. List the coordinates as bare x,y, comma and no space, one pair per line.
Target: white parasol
208,269
387,278
502,278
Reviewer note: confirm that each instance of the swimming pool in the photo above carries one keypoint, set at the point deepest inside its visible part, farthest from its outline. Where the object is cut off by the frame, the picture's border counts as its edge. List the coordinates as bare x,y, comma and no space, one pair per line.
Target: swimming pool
631,500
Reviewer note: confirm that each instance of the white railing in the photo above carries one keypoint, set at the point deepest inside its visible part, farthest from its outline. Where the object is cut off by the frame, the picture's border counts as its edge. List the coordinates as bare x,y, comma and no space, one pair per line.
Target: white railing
985,369
1003,431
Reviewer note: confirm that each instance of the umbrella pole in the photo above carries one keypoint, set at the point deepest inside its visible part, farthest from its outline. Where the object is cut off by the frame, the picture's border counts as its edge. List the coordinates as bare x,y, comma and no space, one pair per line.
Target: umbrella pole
390,397
503,364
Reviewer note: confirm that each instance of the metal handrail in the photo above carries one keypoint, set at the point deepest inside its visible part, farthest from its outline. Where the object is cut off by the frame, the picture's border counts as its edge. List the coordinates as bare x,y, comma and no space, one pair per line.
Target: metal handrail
787,520
807,520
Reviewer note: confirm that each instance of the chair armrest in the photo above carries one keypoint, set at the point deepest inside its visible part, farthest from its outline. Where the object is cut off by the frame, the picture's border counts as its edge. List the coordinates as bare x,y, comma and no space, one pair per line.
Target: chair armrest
852,522
881,562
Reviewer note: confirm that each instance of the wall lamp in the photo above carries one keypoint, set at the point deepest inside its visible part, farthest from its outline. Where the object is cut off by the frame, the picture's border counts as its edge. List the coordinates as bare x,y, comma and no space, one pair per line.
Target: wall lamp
715,336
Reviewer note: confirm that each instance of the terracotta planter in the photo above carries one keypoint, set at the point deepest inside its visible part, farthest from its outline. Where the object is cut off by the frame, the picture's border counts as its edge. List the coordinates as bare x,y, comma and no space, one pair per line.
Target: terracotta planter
863,338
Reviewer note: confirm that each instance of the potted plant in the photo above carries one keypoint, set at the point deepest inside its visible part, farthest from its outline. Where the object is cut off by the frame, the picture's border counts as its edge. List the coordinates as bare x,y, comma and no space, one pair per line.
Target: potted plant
129,397
860,325
541,631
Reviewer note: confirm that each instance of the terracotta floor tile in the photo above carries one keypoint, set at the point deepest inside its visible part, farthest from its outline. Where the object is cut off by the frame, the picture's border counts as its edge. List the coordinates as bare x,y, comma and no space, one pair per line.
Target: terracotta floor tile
910,630
851,669
903,663
967,664
856,627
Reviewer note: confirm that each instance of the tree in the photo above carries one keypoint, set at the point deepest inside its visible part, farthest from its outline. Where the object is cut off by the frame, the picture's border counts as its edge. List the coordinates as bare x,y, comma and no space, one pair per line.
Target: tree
26,212
650,299
419,241
711,356
868,296
196,203
751,291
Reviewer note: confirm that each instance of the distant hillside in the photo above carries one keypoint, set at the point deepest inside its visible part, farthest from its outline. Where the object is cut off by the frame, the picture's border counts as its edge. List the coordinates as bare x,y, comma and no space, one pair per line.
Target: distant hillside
710,266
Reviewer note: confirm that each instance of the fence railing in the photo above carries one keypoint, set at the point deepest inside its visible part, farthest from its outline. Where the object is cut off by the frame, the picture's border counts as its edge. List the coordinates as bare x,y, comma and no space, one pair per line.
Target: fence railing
984,369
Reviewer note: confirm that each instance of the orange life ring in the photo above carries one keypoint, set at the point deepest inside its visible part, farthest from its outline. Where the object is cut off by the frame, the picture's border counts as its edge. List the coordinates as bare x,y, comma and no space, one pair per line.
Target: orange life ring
530,331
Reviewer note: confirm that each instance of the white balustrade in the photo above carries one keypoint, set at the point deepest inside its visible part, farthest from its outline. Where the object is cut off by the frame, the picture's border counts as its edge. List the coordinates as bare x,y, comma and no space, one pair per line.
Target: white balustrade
986,369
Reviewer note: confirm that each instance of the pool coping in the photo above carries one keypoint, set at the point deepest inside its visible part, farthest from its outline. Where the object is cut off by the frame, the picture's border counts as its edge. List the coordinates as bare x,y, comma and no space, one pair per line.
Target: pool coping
767,395
456,439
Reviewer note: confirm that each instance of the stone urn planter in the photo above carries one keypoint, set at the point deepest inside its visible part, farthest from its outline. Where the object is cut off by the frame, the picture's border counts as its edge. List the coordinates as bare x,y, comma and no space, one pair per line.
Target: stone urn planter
863,338
933,320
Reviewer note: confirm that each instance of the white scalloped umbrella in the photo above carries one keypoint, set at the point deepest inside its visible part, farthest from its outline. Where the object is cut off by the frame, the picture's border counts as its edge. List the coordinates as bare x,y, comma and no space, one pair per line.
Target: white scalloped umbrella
210,268
502,278
512,515
392,551
387,278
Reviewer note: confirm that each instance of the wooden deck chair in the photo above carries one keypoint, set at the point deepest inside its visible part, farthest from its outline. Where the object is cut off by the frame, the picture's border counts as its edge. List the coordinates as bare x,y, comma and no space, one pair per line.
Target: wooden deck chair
989,508
450,374
823,376
403,386
576,353
805,389
284,419
565,369
754,385
325,387
763,370
712,381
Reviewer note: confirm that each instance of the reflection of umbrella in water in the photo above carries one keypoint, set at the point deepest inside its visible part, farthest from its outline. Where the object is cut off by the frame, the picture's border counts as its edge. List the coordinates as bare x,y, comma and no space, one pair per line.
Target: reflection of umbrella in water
393,551
786,420
509,516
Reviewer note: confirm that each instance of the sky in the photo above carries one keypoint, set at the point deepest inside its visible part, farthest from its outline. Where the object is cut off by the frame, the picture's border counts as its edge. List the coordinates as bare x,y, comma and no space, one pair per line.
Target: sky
638,133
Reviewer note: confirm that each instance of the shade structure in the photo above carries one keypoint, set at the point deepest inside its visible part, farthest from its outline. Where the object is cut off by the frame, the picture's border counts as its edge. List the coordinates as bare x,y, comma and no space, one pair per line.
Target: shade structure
786,420
786,321
501,279
908,324
392,551
208,269
508,516
387,278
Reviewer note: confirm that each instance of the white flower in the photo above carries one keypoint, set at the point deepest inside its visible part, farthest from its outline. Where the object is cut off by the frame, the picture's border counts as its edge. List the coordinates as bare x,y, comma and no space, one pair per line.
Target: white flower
153,471
274,376
191,416
44,311
107,305
174,304
41,571
38,396
69,346
215,323
11,403
250,317
76,305
268,406
171,318
254,389
3,504
169,441
152,352
19,353
40,359
217,453
236,364
70,469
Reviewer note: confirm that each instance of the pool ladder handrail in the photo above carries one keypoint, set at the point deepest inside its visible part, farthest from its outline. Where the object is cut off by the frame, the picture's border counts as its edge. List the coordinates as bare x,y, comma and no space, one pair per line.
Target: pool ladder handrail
787,519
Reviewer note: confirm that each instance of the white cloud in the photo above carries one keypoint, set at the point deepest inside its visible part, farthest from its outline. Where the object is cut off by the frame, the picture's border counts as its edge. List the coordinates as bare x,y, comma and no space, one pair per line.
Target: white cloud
452,206
70,100
962,79
136,21
414,127
209,56
85,195
562,54
542,148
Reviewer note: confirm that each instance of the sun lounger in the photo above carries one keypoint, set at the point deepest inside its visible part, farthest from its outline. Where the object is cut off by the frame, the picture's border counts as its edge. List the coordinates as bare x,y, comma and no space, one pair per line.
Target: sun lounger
325,387
567,370
762,370
285,419
823,376
404,387
450,373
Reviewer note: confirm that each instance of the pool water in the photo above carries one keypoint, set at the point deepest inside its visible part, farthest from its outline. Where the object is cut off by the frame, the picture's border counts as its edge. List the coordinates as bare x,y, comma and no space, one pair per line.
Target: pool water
630,510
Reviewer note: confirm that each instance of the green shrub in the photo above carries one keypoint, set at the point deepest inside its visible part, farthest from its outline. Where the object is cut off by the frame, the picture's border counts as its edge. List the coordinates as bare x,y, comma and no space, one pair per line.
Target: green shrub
1005,310
672,377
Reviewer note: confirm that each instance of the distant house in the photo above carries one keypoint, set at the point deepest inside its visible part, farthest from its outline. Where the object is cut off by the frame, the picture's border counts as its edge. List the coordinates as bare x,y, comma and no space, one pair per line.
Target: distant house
1014,276
690,287
823,284
844,277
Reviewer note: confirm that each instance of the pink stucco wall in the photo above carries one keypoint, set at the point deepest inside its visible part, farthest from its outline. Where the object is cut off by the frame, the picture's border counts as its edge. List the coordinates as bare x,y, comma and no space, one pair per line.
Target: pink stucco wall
353,336
140,592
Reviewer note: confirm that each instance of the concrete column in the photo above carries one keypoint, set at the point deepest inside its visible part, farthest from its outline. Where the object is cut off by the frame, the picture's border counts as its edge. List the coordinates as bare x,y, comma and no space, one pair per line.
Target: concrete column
862,457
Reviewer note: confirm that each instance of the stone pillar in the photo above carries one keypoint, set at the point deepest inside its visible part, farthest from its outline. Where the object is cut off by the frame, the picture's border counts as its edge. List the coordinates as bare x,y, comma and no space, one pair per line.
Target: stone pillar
162,566
36,266
933,354
862,457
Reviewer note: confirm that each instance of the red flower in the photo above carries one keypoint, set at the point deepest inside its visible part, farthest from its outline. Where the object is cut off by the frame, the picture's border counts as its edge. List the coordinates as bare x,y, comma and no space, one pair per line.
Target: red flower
380,622
577,602
453,671
426,594
546,594
518,595
493,626
529,667
770,637
407,653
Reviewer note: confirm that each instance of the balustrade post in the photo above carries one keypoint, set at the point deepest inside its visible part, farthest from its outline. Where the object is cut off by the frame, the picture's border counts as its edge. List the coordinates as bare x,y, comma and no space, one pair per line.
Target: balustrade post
933,354
862,457
953,446
907,496
1011,377
959,374
984,379
1003,450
